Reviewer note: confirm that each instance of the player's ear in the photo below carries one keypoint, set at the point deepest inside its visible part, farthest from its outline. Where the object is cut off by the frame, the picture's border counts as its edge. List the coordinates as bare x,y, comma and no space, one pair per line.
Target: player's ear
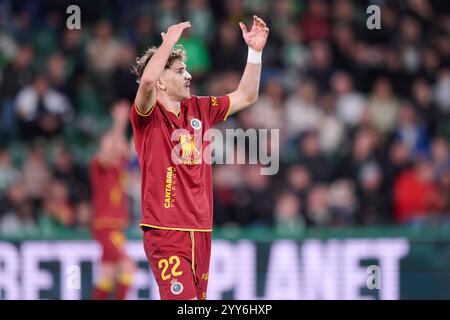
161,85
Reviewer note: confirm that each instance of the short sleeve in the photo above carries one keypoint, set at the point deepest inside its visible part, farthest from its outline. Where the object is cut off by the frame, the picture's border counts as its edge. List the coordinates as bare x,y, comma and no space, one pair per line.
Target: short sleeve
217,109
139,120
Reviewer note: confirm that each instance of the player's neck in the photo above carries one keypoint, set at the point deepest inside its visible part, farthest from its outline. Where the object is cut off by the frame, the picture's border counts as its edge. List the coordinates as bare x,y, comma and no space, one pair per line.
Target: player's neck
170,105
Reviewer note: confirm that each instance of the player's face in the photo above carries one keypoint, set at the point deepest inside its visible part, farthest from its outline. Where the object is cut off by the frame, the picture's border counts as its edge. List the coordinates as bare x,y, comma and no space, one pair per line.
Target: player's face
177,81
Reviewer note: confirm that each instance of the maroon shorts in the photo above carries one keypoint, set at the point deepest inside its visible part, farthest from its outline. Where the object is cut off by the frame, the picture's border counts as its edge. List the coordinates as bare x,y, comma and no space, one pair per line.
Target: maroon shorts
179,261
112,243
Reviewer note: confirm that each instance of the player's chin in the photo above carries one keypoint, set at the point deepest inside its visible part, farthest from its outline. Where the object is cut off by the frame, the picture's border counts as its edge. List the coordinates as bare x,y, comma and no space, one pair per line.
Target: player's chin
187,92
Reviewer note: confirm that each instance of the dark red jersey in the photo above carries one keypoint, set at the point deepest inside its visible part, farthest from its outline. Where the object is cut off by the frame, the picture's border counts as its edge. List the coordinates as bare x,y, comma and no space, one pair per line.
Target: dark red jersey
176,179
109,201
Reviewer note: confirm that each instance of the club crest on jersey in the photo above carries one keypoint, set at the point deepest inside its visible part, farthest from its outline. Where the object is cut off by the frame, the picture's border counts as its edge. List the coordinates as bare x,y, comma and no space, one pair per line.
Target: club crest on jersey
196,124
188,146
176,287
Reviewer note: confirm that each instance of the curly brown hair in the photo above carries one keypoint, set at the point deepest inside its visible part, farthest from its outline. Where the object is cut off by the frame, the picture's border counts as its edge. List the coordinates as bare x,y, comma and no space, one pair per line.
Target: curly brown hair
178,53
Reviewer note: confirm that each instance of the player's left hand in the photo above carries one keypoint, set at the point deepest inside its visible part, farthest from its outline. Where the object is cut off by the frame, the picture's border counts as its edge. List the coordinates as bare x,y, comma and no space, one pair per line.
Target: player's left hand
257,36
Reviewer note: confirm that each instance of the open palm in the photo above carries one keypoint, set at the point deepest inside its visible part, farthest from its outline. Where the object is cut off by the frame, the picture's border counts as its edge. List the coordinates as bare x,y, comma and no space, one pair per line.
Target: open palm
257,36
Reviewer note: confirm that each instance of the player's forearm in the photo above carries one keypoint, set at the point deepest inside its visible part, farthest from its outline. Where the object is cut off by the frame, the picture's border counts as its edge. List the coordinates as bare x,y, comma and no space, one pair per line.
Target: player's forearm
156,65
249,84
247,92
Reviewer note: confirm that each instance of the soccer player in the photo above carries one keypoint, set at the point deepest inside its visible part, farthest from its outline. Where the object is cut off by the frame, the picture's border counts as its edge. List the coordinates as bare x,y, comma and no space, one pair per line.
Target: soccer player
177,194
110,208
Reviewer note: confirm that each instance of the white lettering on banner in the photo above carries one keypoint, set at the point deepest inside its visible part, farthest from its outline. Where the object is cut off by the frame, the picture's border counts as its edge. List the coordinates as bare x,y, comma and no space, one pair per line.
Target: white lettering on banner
9,271
320,270
373,280
71,253
283,274
390,252
73,274
234,267
34,278
245,273
355,275
312,269
222,262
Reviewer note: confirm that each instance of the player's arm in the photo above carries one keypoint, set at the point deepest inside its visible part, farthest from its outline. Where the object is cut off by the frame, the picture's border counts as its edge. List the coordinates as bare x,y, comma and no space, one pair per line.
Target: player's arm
247,91
120,116
146,94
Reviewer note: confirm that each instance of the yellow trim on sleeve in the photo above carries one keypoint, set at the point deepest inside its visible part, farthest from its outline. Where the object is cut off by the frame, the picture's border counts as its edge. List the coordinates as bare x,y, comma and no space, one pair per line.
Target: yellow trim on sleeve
229,108
148,113
176,229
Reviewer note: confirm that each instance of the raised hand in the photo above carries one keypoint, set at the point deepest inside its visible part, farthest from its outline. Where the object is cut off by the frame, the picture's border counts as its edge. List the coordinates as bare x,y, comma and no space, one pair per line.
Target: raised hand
257,36
174,32
121,113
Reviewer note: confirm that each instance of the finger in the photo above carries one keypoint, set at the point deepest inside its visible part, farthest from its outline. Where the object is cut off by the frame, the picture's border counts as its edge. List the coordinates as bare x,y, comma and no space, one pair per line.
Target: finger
266,29
261,22
243,27
185,24
163,35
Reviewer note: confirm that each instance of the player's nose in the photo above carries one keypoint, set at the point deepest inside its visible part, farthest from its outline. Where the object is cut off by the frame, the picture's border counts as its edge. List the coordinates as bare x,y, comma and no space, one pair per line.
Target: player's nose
187,75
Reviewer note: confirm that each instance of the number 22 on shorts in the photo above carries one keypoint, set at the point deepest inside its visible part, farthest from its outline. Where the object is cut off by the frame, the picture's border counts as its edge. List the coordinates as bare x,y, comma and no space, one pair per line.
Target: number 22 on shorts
173,261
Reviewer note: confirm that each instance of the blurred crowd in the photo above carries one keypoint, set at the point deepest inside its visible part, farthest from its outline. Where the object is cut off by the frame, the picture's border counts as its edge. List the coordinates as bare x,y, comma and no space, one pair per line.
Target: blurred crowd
363,115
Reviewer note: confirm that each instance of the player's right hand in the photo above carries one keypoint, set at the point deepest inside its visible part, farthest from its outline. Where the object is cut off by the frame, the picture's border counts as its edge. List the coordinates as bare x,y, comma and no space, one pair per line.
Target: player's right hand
174,32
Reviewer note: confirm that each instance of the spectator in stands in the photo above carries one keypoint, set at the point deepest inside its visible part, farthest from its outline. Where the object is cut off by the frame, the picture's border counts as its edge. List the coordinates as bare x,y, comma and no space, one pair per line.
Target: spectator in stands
442,91
416,195
72,174
318,213
350,104
343,203
36,175
374,206
288,214
18,219
411,130
302,112
228,52
383,106
102,51
8,174
14,76
41,110
202,19
426,108
56,205
255,200
312,157
363,152
316,23
268,110
124,82
440,156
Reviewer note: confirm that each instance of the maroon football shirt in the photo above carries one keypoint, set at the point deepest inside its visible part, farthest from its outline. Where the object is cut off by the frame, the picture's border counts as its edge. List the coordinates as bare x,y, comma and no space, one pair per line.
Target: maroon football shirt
176,181
109,201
